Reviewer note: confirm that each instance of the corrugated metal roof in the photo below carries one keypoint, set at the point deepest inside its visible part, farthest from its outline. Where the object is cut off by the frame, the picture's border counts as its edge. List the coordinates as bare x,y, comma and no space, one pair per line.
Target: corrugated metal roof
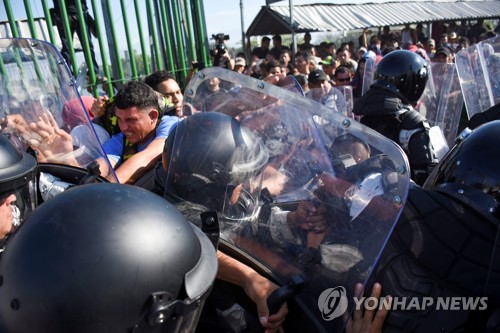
335,17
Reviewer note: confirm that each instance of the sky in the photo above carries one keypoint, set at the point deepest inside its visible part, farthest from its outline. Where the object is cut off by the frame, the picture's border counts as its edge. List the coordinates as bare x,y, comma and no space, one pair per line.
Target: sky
226,16
221,16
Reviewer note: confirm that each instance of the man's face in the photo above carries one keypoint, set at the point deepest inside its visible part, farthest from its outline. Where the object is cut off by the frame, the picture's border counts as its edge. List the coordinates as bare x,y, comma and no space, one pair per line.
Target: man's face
301,64
342,79
285,57
6,215
440,57
343,56
239,68
137,126
171,90
429,48
319,89
274,71
329,69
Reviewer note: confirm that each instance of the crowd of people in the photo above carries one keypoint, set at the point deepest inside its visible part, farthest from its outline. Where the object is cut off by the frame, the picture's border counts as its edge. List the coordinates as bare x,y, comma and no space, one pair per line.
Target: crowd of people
140,123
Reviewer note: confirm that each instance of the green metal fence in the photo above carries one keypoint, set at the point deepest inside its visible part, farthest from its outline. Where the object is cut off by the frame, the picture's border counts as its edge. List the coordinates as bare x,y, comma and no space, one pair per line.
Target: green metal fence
133,37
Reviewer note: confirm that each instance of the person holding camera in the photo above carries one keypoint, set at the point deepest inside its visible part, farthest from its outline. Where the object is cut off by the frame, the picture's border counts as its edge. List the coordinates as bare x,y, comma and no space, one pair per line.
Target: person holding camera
221,55
72,13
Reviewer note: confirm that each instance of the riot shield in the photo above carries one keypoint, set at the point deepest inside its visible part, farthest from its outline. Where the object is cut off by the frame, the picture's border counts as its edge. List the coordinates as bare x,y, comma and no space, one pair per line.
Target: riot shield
279,178
41,110
442,102
369,74
349,101
478,69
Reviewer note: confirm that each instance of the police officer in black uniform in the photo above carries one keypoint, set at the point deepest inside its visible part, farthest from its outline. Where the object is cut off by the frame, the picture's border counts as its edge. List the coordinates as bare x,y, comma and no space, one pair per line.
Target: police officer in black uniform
387,107
446,243
18,196
105,258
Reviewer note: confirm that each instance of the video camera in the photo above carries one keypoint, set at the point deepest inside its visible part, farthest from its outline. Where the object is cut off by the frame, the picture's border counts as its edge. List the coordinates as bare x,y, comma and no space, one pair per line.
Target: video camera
219,42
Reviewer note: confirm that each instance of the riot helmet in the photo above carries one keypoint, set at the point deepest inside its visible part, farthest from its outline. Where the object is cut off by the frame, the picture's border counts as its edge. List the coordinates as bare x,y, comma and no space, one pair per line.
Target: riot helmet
469,172
404,72
18,174
105,258
209,154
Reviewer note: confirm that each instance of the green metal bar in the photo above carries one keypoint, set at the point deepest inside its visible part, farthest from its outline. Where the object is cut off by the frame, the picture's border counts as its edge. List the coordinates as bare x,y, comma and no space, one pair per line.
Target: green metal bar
12,21
147,69
152,31
69,37
180,41
5,77
86,46
104,57
168,40
48,21
31,21
115,46
202,31
36,63
131,53
191,35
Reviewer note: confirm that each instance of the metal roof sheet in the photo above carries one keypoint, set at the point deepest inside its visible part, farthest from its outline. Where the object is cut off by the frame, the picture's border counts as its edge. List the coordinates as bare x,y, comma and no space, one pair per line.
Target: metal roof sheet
341,17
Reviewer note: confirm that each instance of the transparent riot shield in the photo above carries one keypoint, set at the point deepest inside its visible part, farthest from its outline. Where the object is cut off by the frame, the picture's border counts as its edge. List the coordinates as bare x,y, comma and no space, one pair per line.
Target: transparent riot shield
349,101
288,201
41,110
369,74
479,71
442,102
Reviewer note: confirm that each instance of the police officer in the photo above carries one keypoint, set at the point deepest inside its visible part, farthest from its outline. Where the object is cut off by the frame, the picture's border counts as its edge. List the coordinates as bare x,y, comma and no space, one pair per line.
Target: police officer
18,196
105,258
387,107
446,244
206,154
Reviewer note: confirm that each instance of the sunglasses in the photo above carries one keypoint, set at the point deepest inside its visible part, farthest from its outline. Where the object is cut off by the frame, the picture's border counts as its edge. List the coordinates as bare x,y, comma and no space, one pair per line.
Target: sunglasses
343,80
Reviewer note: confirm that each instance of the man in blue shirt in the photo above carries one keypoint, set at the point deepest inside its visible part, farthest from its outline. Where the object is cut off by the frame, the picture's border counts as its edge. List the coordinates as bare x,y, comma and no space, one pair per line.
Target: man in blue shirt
143,130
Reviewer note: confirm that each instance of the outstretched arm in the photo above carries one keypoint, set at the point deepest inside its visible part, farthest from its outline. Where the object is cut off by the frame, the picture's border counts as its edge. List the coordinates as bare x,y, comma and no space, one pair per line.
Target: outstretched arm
137,165
257,287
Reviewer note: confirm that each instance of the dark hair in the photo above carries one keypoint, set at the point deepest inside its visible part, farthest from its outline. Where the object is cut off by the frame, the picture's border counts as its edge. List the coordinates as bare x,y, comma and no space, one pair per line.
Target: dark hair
135,93
301,79
271,64
343,69
387,50
154,79
344,141
306,55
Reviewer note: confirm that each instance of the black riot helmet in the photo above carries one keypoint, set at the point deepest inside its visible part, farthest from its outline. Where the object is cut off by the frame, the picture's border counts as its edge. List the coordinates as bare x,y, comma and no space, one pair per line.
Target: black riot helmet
404,72
105,258
470,171
18,174
206,154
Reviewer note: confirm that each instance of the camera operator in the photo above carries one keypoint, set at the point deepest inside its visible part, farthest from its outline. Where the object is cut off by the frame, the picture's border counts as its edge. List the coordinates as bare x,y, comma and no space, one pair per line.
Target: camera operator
221,55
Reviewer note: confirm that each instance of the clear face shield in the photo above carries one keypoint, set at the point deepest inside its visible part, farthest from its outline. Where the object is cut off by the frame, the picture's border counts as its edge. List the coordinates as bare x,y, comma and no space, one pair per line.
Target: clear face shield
212,162
17,204
324,210
41,109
